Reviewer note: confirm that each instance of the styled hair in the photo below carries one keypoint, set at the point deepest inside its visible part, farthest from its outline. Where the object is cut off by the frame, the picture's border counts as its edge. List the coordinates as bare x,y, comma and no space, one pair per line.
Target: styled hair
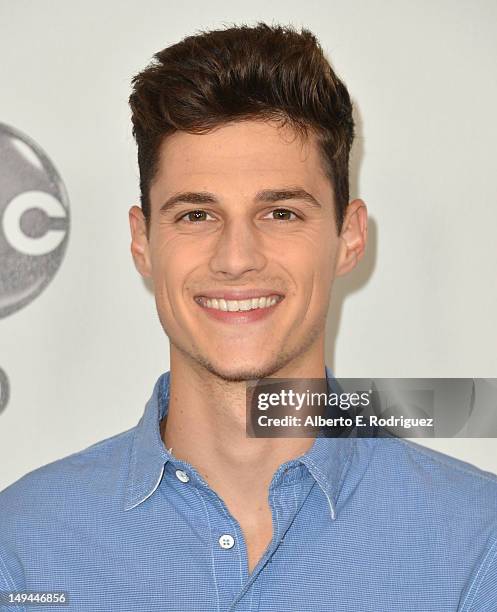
239,73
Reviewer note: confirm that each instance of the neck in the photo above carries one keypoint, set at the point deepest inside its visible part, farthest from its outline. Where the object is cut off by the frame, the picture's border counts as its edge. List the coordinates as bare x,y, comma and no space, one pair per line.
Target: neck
206,426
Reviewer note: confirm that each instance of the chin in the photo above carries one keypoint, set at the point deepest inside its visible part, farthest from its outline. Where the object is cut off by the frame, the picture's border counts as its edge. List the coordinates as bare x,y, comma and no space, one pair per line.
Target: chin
240,372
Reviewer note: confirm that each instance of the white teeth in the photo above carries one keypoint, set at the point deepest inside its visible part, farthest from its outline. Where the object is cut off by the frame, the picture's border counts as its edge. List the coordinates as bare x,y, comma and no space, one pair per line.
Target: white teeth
239,305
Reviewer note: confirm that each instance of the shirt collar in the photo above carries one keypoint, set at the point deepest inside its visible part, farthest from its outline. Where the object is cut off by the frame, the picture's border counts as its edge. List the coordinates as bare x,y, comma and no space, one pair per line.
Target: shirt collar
327,459
148,453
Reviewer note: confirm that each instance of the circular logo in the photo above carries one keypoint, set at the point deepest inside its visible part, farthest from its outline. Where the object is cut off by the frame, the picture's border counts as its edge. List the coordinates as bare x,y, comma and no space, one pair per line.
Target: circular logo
34,220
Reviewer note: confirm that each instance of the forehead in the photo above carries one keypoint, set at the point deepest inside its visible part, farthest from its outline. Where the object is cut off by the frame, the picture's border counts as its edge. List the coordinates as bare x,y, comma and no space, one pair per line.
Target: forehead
254,152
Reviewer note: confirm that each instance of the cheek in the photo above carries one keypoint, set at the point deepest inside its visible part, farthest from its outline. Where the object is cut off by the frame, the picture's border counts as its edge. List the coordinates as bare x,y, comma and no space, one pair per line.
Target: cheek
311,266
327,267
167,274
172,262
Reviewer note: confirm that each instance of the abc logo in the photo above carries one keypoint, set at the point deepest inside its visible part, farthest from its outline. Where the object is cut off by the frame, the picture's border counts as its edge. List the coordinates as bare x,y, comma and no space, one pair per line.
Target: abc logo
34,220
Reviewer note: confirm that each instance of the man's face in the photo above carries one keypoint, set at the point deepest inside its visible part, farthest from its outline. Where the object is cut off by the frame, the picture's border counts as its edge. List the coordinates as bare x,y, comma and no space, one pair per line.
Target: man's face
238,231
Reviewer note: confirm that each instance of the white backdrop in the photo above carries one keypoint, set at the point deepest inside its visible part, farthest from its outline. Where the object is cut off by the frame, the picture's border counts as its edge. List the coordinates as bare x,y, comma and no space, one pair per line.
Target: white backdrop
82,357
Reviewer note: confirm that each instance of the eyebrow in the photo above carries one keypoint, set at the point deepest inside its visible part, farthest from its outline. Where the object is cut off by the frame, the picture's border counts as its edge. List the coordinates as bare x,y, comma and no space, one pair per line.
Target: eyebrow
266,195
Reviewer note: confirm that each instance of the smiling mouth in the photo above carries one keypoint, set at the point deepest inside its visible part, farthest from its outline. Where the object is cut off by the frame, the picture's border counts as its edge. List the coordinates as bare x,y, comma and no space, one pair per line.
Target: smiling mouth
239,305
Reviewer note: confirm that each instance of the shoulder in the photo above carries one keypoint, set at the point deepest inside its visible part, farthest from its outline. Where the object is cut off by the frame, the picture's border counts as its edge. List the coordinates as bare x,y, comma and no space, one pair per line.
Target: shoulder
440,463
82,476
444,501
437,480
56,500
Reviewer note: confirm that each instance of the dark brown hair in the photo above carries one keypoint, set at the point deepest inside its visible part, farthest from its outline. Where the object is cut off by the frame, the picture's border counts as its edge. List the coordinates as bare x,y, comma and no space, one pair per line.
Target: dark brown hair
237,73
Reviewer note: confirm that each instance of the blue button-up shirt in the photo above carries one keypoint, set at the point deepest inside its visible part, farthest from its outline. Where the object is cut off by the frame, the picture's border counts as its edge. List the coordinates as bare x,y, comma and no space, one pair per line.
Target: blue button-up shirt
359,524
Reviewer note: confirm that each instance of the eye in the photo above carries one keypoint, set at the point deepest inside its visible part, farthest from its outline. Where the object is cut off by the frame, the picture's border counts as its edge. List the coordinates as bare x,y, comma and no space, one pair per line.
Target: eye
194,216
282,214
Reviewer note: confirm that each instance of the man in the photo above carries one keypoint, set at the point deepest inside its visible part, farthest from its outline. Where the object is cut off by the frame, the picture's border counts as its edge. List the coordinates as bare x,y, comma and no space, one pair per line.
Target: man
243,143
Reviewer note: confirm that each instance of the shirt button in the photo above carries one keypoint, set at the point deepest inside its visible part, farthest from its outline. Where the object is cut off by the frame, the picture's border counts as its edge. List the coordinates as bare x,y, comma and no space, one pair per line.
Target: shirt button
226,541
183,476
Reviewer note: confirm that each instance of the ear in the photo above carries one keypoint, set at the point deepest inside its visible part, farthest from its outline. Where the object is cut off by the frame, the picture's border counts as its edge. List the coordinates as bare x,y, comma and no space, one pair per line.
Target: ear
352,237
140,249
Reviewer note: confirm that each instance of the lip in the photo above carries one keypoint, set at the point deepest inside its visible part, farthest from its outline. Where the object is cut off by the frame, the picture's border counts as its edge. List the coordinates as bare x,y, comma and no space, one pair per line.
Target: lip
238,294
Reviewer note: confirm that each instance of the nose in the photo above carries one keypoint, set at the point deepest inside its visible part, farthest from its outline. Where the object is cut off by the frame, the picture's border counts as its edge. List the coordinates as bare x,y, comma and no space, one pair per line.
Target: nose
238,250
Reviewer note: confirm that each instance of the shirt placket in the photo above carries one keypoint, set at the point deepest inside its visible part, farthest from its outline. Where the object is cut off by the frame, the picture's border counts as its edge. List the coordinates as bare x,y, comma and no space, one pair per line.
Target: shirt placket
228,552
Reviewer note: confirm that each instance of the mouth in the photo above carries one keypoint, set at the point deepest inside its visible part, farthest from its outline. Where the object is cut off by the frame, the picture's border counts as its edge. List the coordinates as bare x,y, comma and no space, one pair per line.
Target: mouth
254,303
248,310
